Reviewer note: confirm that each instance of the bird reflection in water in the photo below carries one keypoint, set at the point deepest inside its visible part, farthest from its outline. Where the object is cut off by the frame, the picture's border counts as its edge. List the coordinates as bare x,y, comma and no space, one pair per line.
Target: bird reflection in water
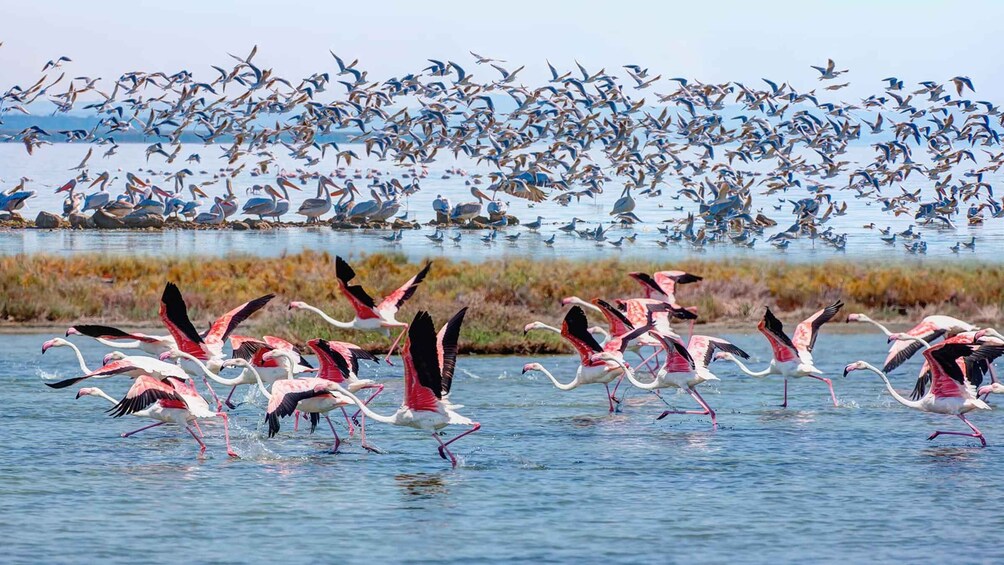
425,485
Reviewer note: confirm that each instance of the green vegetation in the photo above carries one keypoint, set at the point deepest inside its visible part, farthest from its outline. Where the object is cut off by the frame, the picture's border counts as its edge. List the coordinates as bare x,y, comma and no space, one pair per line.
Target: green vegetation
503,295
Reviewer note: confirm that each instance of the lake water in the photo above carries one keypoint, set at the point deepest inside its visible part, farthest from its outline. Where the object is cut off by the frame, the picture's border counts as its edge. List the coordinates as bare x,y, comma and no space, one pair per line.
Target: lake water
551,477
48,170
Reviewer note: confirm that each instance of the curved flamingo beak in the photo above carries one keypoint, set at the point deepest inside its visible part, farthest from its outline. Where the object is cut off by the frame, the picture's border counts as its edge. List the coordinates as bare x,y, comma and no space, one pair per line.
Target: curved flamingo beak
47,345
986,389
164,356
106,359
979,335
72,331
849,368
528,367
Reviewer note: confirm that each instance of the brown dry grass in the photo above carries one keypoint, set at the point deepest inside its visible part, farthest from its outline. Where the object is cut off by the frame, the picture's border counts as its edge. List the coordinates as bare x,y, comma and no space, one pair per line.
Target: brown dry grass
503,295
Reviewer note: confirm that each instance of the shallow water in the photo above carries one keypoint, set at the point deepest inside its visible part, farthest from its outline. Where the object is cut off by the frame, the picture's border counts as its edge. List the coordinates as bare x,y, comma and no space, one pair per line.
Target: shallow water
48,170
551,476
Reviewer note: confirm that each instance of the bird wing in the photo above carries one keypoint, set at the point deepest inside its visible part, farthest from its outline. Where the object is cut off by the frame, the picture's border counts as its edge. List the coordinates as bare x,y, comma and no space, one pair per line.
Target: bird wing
447,341
618,322
773,330
575,329
144,391
174,314
647,282
947,378
286,394
245,347
678,359
361,302
702,349
333,367
110,333
227,323
806,332
902,350
422,376
397,298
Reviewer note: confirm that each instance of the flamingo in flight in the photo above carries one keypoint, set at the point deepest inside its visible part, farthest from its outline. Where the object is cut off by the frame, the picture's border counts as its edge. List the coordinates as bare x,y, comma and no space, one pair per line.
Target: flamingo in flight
591,370
146,391
207,346
114,337
370,316
271,370
115,364
952,391
662,286
792,357
426,386
339,363
164,411
929,330
684,368
312,395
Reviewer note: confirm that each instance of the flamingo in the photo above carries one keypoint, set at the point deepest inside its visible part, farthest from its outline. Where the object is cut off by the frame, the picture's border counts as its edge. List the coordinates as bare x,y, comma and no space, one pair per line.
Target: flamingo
662,285
425,386
146,391
684,368
591,370
114,337
370,316
340,363
952,392
929,330
208,346
792,357
313,396
116,364
164,410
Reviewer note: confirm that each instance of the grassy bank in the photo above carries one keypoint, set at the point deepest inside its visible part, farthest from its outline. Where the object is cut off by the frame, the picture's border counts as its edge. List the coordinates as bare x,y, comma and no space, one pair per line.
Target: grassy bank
503,295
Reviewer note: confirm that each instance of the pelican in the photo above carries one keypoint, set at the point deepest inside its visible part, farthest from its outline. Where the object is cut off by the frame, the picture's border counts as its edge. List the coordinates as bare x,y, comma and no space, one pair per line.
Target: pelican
215,216
314,208
282,204
624,204
230,203
467,211
441,205
101,197
260,206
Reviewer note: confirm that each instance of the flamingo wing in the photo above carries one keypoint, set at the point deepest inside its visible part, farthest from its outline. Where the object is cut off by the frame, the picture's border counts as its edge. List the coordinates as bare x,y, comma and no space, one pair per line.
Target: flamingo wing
618,322
227,323
109,333
648,283
620,342
773,330
903,350
447,344
978,364
362,302
113,368
575,329
174,314
397,298
806,332
286,394
678,359
334,367
279,343
702,349
144,391
947,378
423,386
244,347
357,354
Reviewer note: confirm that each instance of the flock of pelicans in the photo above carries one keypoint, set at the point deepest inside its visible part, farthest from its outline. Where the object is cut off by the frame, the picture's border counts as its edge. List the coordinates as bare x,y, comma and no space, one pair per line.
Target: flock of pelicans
164,389
711,146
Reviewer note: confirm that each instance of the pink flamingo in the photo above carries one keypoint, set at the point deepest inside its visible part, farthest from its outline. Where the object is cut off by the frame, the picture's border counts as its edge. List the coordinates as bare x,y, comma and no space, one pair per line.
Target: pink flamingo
591,370
114,337
425,390
929,330
206,347
340,364
115,364
370,316
792,357
684,368
146,391
270,370
312,396
662,286
952,392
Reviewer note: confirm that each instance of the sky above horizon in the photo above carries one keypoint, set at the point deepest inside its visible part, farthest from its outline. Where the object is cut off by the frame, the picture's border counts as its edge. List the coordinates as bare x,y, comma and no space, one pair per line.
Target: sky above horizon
711,41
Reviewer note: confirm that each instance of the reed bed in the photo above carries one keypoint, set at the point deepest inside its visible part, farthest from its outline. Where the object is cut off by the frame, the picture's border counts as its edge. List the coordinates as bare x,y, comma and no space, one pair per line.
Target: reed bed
503,294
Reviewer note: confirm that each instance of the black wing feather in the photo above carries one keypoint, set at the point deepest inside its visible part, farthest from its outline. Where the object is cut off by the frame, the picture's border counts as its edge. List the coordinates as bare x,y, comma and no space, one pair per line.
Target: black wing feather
424,356
345,274
177,312
451,339
775,327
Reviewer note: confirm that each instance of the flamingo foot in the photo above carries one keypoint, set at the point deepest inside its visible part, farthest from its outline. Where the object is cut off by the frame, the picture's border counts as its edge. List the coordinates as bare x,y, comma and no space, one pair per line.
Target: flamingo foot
372,449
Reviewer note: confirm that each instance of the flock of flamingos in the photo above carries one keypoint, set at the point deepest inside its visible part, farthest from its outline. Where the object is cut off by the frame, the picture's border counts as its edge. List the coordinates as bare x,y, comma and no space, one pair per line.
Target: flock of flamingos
164,388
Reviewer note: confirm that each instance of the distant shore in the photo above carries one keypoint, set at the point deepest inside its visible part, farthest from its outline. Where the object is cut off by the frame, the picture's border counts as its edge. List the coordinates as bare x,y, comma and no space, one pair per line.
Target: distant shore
45,293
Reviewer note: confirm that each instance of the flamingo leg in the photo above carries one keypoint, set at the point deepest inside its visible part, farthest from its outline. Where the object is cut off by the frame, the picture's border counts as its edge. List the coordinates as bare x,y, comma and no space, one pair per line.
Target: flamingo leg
337,440
700,400
445,451
202,446
219,405
785,403
393,346
379,389
617,385
198,428
226,433
829,383
127,434
348,422
229,404
296,420
976,433
362,434
993,379
610,398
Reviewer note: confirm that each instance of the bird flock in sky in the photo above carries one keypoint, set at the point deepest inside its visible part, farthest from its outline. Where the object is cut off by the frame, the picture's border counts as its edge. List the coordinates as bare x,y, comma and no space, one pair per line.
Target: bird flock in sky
164,387
739,154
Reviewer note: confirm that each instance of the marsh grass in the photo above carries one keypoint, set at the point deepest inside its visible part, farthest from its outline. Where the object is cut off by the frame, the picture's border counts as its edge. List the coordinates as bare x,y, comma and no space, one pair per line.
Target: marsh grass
503,294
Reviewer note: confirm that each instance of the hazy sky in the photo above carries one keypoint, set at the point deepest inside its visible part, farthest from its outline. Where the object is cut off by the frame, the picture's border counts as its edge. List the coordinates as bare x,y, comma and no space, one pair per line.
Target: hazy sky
709,40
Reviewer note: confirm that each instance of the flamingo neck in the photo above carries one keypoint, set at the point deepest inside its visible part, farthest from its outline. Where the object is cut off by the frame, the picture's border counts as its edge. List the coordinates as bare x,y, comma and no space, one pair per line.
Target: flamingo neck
211,375
366,409
881,328
758,374
630,376
100,393
80,358
892,391
327,318
574,383
118,344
